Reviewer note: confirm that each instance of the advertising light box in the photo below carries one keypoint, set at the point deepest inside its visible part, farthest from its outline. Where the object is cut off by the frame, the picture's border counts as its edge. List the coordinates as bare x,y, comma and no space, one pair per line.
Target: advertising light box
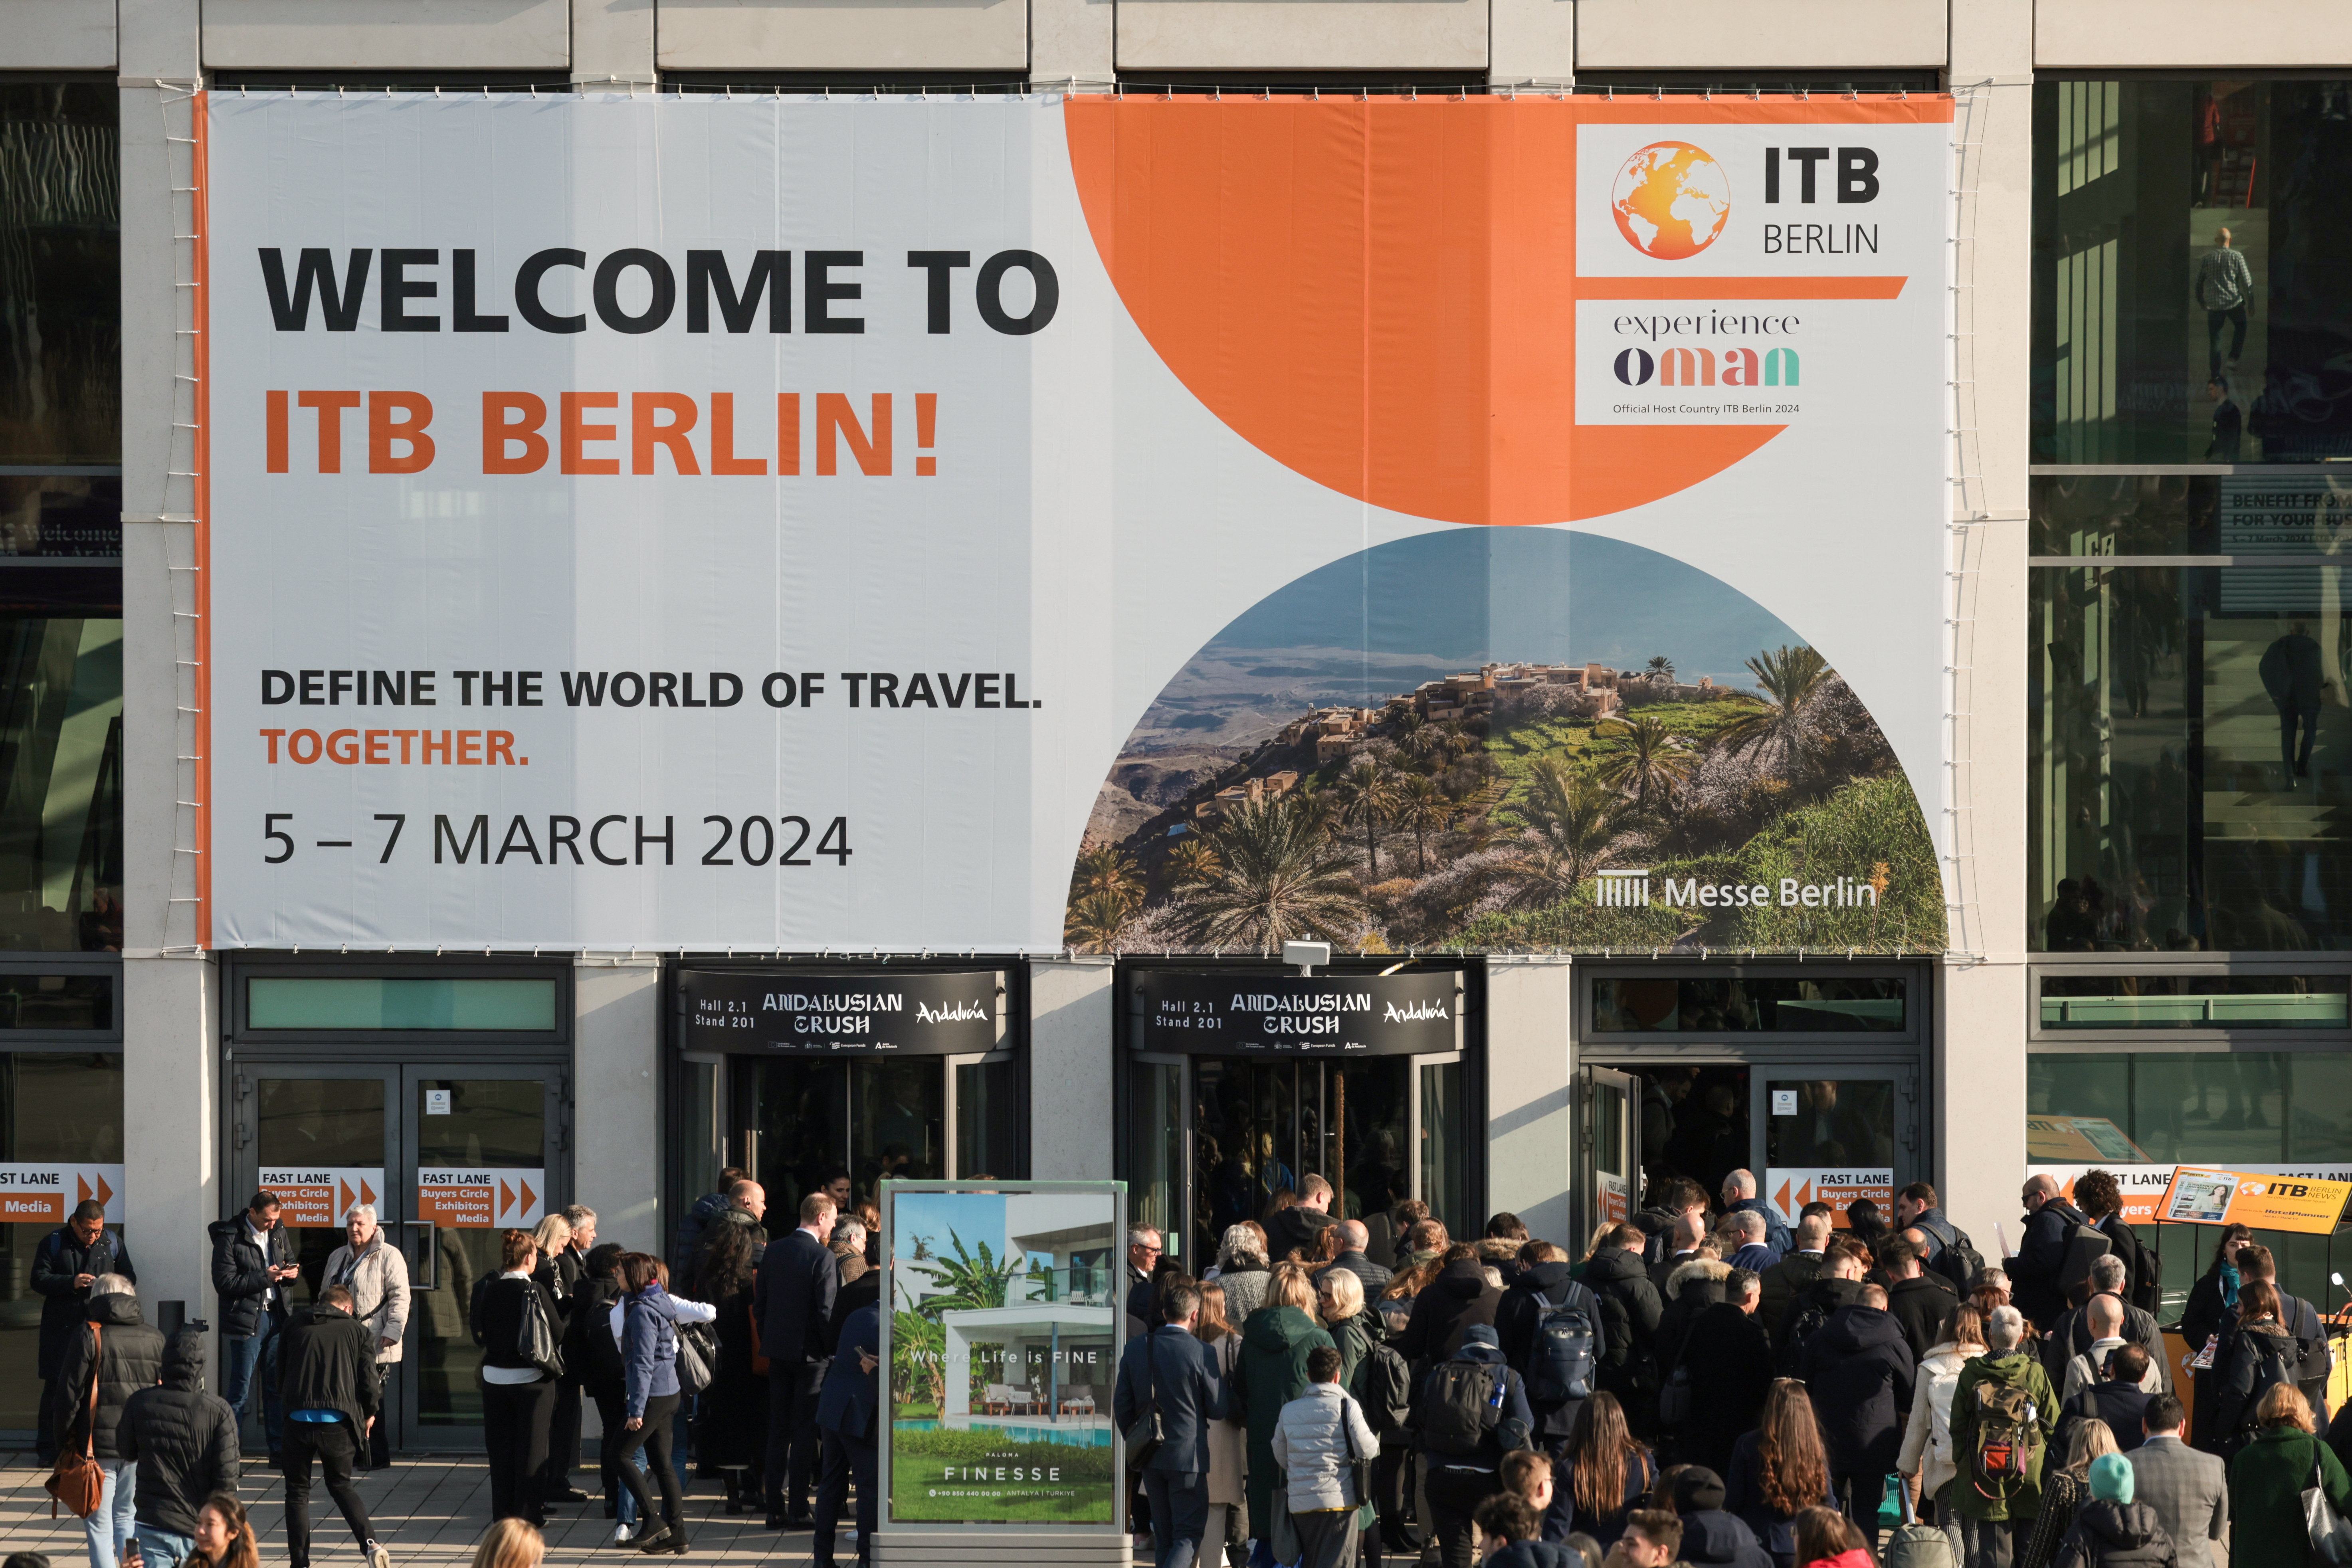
1124,525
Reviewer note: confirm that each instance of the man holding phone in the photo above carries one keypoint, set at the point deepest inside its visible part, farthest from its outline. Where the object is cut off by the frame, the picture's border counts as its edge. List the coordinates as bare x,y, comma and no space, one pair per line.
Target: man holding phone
253,1268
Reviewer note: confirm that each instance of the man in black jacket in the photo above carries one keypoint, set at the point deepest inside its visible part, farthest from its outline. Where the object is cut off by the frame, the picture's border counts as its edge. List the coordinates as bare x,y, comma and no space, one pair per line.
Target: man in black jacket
1859,1372
1629,1310
325,1386
1798,1269
2116,1399
1923,1304
1353,1239
121,1355
253,1262
792,1296
1459,1298
2036,1274
1729,1357
1170,1371
184,1441
67,1262
570,1268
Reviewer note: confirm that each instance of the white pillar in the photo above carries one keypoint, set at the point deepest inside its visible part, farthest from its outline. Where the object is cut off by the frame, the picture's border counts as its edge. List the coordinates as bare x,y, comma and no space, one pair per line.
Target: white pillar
1979,1062
1071,38
1530,1097
172,1110
616,1125
1530,43
1071,1107
612,45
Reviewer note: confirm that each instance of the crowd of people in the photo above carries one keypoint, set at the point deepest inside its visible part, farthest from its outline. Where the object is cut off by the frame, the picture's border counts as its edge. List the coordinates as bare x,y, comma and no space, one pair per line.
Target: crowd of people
1706,1384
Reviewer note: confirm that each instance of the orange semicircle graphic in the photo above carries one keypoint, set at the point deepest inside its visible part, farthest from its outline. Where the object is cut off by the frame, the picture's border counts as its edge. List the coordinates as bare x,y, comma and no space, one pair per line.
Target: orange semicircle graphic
1378,294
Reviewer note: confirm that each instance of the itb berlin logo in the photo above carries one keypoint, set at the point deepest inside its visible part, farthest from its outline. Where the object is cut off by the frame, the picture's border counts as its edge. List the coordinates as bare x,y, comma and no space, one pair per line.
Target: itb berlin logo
1671,200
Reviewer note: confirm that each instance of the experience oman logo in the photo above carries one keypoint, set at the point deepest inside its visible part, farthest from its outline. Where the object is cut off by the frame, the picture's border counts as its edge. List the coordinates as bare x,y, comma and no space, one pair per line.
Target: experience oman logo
1671,200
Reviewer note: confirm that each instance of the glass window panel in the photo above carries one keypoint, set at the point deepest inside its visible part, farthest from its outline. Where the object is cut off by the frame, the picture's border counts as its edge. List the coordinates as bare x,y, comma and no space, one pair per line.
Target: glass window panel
61,291
495,1123
1236,1160
1444,1134
351,1003
1844,1122
1742,1004
2319,1109
796,1113
2209,1107
61,782
897,1120
1369,1103
2178,313
57,1002
2097,1088
986,1144
55,516
1156,1138
319,1121
2195,1002
702,1150
53,1106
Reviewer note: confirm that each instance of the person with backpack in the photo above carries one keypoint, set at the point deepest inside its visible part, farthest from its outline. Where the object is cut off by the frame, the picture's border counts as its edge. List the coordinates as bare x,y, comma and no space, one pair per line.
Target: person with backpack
1319,1439
1838,1286
1459,1297
1928,1455
2302,1321
1550,1326
1629,1311
1716,1386
2113,1530
2004,1413
1470,1411
2268,1479
2254,1358
649,1352
1859,1371
2055,1256
1949,1252
1269,1374
2101,1200
1798,1269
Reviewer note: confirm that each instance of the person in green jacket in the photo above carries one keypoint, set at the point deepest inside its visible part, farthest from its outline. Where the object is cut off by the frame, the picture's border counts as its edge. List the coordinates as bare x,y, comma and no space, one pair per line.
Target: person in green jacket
1994,1521
1271,1373
1339,1298
2268,1478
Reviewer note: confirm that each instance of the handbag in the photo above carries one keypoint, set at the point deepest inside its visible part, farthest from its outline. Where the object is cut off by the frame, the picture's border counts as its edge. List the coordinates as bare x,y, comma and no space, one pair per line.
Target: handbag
80,1481
2331,1532
539,1346
1143,1438
1360,1469
698,1355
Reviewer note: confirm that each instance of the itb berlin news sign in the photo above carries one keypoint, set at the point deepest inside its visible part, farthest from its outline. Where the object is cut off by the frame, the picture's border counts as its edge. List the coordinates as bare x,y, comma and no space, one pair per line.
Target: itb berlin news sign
793,523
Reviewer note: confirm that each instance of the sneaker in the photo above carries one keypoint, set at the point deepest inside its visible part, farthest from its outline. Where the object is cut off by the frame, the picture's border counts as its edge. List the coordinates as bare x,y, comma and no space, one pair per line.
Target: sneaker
623,1535
377,1557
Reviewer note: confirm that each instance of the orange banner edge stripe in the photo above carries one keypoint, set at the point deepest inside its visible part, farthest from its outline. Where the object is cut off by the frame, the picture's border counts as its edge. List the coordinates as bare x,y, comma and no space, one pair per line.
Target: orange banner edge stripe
1740,287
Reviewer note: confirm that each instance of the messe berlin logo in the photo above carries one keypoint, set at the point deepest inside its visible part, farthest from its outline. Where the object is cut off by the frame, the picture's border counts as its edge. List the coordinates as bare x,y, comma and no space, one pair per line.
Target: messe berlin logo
1671,200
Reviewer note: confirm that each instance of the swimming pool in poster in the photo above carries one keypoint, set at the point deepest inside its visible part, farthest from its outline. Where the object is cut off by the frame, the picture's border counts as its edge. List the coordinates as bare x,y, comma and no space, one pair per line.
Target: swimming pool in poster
1003,1348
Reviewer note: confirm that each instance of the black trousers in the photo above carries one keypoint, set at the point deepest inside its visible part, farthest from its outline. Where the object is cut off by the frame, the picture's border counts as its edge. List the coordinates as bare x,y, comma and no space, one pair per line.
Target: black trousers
335,1445
612,1413
562,1437
1453,1496
2290,716
514,1422
2234,319
45,1424
791,1434
1858,1500
1395,1475
846,1460
379,1439
653,1437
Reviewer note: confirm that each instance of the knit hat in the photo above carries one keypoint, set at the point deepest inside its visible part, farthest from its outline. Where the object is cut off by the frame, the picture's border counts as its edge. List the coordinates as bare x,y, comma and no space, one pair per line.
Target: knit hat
2112,1479
1697,1488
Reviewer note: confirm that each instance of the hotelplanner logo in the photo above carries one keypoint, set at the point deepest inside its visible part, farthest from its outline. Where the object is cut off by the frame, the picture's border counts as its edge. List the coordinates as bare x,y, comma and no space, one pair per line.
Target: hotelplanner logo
1671,200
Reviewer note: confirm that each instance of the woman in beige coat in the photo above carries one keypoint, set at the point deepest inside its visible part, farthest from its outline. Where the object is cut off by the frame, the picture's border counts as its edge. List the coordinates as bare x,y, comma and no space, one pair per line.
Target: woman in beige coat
373,1269
1227,1465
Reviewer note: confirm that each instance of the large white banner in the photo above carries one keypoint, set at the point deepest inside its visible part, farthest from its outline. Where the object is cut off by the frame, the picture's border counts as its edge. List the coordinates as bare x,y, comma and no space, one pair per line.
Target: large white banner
805,523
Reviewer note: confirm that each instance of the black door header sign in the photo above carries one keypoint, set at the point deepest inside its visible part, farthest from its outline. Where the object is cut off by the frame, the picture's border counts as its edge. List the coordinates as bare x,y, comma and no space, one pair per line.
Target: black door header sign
1250,1013
909,1013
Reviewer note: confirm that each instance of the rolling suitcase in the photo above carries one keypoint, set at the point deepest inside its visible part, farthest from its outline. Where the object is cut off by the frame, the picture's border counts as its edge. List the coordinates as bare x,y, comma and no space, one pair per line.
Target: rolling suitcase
1917,1545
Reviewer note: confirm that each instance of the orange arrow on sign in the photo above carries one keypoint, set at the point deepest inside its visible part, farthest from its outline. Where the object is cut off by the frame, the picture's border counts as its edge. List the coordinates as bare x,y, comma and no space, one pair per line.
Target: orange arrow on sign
1804,1195
506,1199
81,1189
367,1194
529,1198
345,1189
1783,1199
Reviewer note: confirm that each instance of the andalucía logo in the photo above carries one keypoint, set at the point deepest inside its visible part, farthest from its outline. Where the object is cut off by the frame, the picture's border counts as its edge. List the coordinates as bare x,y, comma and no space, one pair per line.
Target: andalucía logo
1671,200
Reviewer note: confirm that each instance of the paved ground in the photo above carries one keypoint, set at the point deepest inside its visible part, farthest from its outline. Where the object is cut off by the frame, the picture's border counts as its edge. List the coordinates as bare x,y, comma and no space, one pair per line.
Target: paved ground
428,1510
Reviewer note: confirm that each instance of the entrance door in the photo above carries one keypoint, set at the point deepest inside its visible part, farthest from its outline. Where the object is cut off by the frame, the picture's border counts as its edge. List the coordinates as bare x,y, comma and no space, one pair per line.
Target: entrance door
807,1118
447,1156
1260,1126
1835,1132
1612,1108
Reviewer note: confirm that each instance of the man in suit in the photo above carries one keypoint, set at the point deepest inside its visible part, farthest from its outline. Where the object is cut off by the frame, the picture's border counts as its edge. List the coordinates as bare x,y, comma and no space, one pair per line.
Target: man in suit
1353,1239
792,1296
849,1414
1681,1246
2188,1490
570,1268
1171,1371
1143,1256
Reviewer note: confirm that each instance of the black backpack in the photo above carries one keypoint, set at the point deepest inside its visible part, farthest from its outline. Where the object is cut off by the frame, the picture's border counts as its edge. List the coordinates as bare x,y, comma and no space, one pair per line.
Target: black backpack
1810,1314
1566,1349
1387,1392
1461,1403
1957,1258
2272,1366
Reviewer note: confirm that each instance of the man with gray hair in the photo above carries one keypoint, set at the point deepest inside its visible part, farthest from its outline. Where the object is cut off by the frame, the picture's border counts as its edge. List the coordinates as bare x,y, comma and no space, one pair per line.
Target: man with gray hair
570,1267
1739,1197
377,1274
1746,1228
2006,1391
1143,1255
2073,1335
1353,1239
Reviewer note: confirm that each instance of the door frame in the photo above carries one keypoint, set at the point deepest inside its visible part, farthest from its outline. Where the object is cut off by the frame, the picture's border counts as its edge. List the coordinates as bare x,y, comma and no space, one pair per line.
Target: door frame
1590,1194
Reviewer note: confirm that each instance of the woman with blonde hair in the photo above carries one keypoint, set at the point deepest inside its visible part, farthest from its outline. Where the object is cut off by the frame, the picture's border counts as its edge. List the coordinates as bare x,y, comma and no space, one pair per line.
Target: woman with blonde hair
2064,1491
1227,1463
1927,1455
2269,1477
1339,1302
511,1544
1270,1373
1242,1269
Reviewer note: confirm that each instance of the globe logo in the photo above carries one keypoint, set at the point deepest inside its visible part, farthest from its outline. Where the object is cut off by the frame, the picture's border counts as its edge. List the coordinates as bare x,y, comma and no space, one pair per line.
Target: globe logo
1671,200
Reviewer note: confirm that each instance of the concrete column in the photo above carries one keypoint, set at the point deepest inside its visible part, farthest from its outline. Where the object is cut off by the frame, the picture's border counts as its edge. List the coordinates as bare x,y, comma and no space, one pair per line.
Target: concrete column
1979,1062
1531,43
1530,1097
616,1125
612,45
1071,38
170,1057
1072,1110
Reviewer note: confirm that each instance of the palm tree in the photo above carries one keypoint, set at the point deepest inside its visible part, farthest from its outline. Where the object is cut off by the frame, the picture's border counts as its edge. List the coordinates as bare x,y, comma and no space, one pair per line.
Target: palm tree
1574,819
971,1281
1367,797
1106,868
1282,878
919,1356
1097,921
1426,809
1192,863
1790,679
1661,667
1641,757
